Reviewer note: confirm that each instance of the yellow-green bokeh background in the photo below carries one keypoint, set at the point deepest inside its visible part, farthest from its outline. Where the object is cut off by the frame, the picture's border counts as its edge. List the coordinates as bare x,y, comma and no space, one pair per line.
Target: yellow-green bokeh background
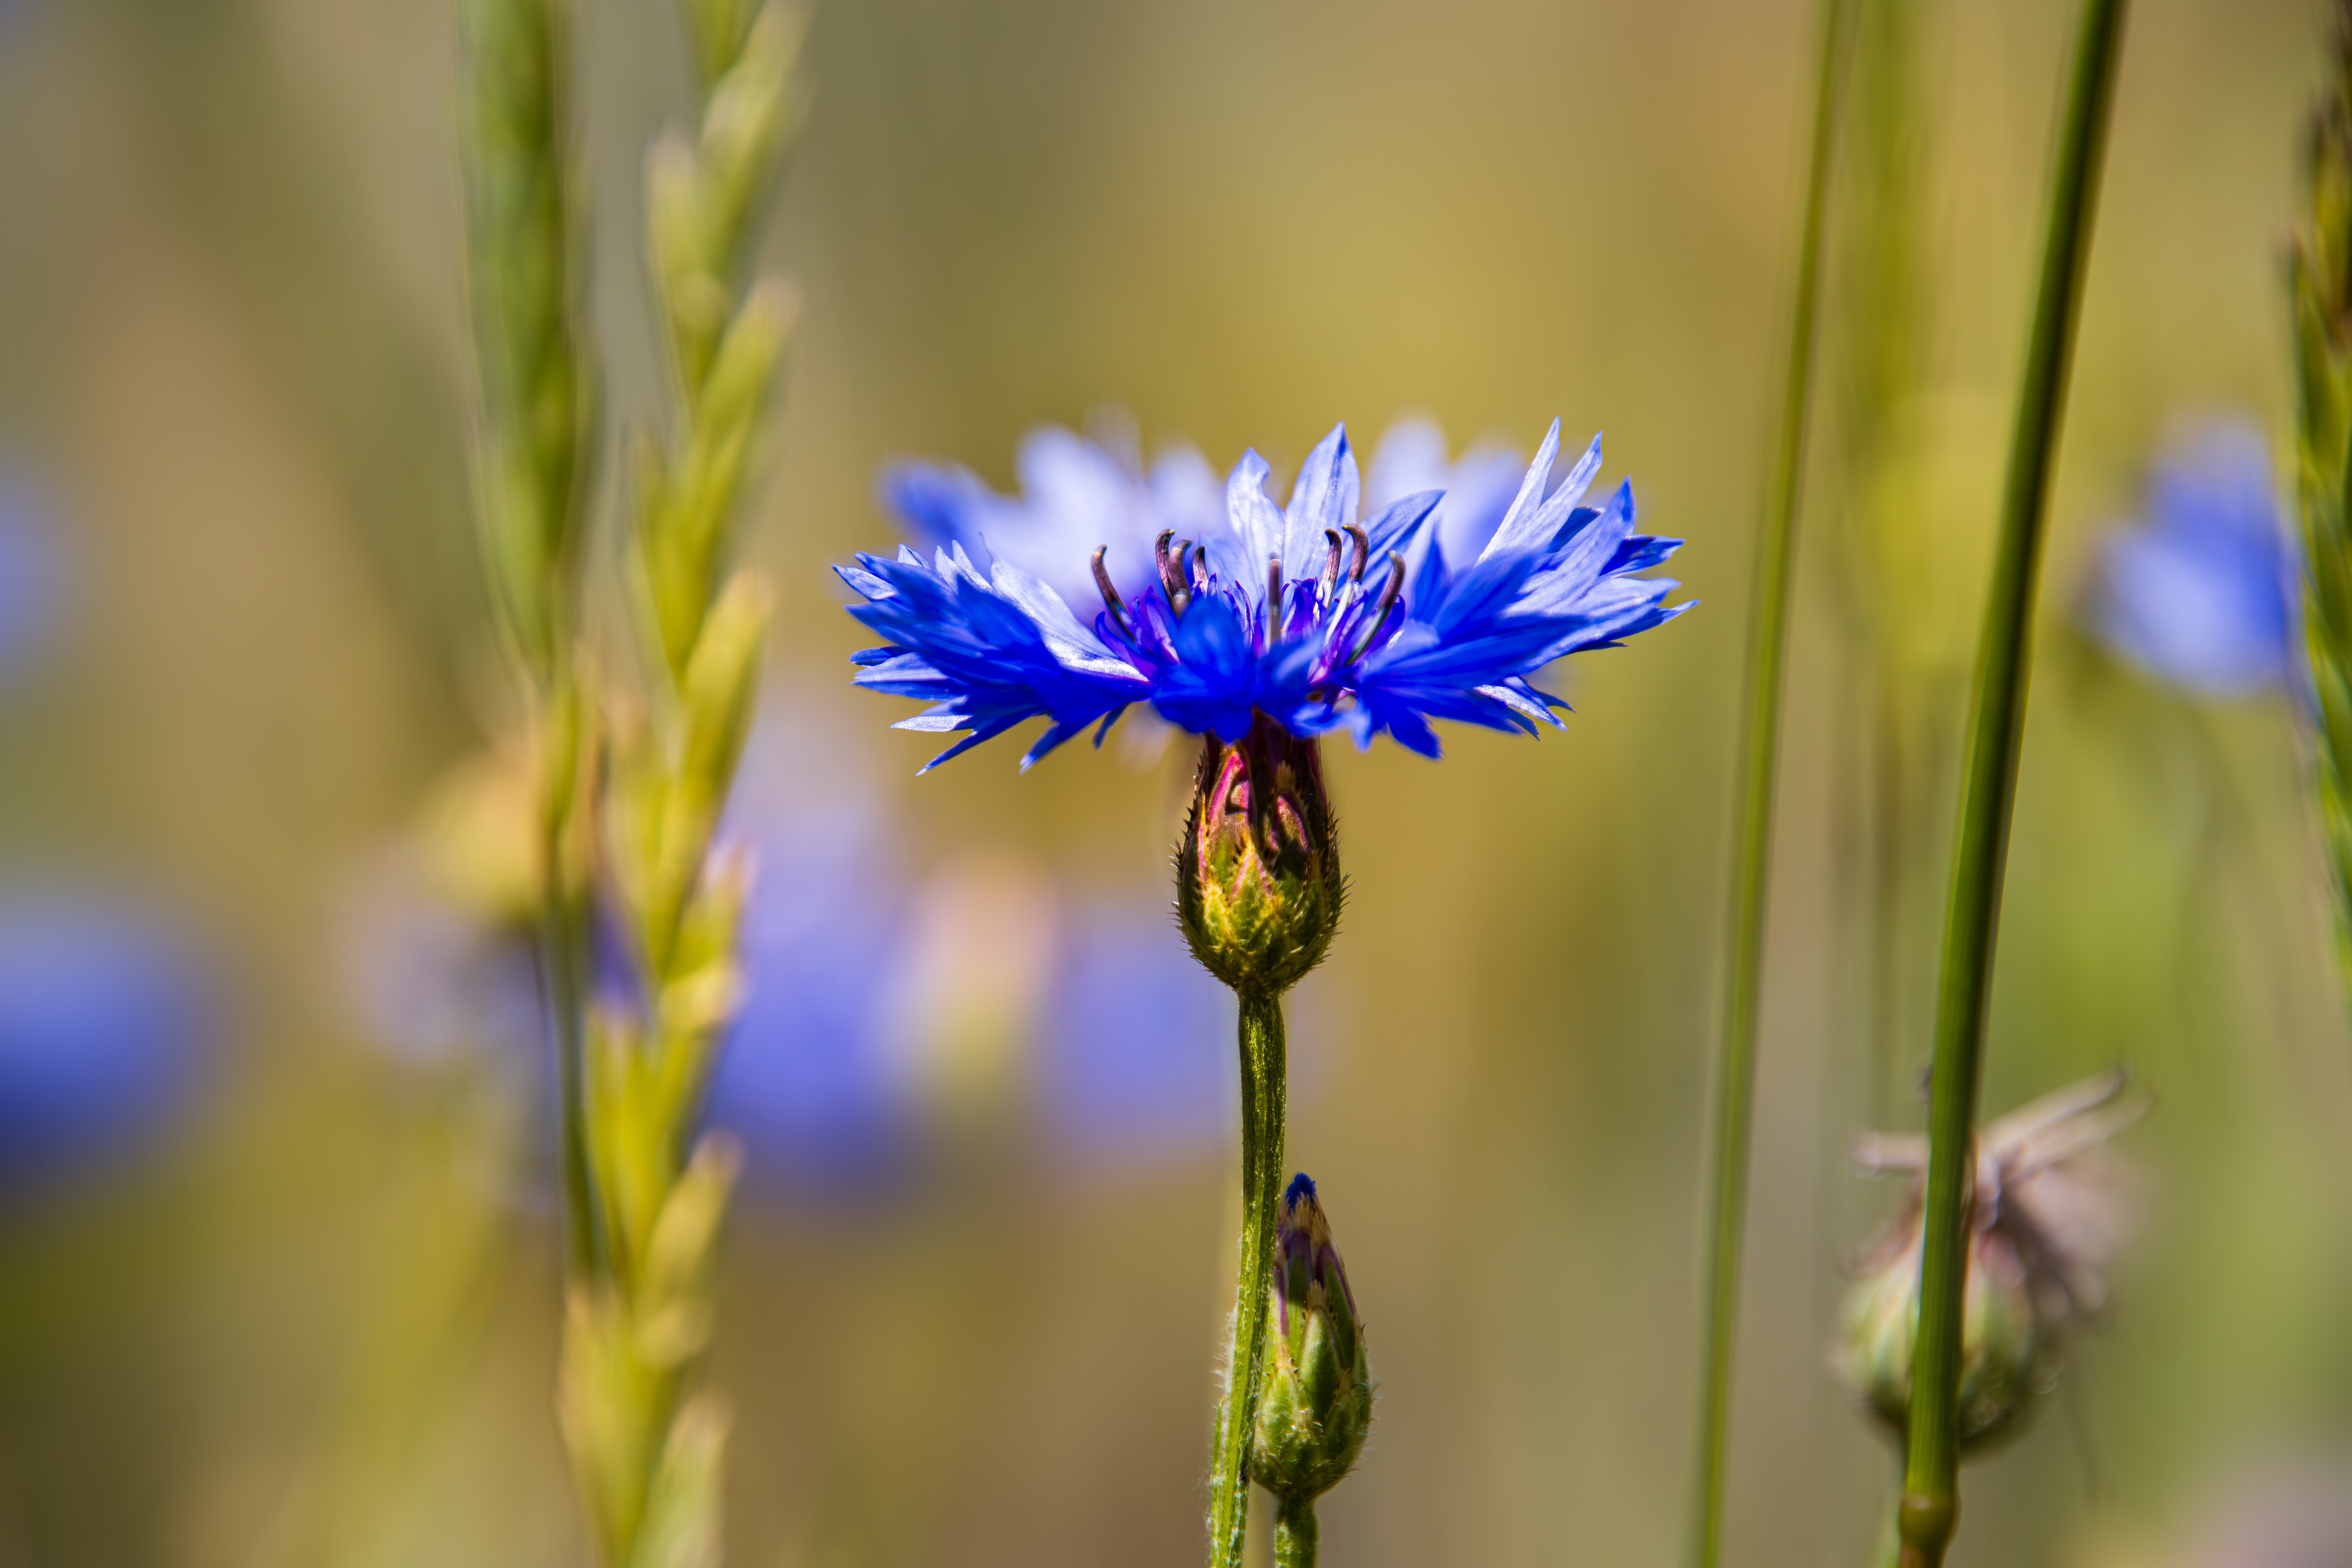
231,343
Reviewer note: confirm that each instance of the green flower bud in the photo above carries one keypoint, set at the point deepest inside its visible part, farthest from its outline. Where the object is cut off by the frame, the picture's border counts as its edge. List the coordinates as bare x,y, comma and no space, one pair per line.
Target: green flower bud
1257,877
2009,1352
1314,1406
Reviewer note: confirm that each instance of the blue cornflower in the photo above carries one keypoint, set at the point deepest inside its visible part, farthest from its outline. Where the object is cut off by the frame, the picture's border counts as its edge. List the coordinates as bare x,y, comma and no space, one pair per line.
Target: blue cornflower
1316,617
2202,595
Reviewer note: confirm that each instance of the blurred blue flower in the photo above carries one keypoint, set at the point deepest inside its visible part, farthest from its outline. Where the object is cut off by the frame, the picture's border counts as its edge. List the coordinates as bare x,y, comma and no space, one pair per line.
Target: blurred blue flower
1134,1060
434,979
29,569
105,1028
807,1079
1478,487
1305,615
882,1008
2202,594
1075,494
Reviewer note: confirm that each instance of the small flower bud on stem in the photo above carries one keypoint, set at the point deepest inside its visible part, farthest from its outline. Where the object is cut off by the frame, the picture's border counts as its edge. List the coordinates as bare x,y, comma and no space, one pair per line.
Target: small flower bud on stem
1315,1406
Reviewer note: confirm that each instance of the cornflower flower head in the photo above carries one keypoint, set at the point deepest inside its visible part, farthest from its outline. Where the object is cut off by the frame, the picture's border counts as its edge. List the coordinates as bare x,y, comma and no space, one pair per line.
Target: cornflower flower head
1323,615
2202,594
2053,1210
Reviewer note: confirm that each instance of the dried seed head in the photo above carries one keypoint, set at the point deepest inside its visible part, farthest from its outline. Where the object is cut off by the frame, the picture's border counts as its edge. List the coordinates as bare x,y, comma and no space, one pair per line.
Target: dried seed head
2052,1209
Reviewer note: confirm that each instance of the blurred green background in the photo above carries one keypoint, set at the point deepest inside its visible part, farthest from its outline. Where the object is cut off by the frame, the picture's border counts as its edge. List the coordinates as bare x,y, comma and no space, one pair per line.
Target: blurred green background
316,1325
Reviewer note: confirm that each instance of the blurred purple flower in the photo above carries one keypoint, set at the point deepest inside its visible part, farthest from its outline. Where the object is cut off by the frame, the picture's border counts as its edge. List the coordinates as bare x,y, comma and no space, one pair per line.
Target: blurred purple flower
881,1003
30,574
1479,486
2202,594
1134,1060
105,1028
803,1079
1075,494
433,979
881,1006
806,1080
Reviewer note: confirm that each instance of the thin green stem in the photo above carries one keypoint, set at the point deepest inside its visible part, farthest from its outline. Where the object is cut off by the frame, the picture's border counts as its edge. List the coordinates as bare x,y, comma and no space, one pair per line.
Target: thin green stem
561,975
1294,1533
564,960
1264,1074
1768,631
1930,1506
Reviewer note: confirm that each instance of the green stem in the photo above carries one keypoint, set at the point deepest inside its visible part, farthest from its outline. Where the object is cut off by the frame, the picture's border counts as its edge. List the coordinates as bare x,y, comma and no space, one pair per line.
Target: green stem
564,974
1930,1505
1295,1533
1264,1072
1768,631
563,946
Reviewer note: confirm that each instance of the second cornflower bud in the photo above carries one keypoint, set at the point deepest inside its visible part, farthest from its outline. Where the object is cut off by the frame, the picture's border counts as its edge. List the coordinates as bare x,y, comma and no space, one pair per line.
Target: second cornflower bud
1316,1406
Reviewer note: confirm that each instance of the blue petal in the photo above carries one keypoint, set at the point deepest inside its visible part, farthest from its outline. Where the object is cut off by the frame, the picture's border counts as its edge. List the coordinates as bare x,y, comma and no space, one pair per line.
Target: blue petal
1325,497
1257,524
1212,690
1533,518
1393,528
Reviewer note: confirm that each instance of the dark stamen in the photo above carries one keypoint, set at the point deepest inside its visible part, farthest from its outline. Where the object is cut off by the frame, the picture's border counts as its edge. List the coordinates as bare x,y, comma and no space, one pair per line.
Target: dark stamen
1363,550
1330,562
1383,609
1172,571
1274,595
1112,601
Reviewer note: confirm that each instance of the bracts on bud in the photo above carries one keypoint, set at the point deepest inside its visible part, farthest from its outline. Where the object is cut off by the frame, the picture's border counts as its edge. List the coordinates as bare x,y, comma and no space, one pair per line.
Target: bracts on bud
1257,876
1317,1404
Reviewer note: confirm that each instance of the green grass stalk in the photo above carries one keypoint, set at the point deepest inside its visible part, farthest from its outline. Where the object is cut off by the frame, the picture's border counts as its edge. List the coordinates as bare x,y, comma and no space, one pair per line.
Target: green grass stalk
524,286
1929,1510
2320,273
630,803
1767,632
